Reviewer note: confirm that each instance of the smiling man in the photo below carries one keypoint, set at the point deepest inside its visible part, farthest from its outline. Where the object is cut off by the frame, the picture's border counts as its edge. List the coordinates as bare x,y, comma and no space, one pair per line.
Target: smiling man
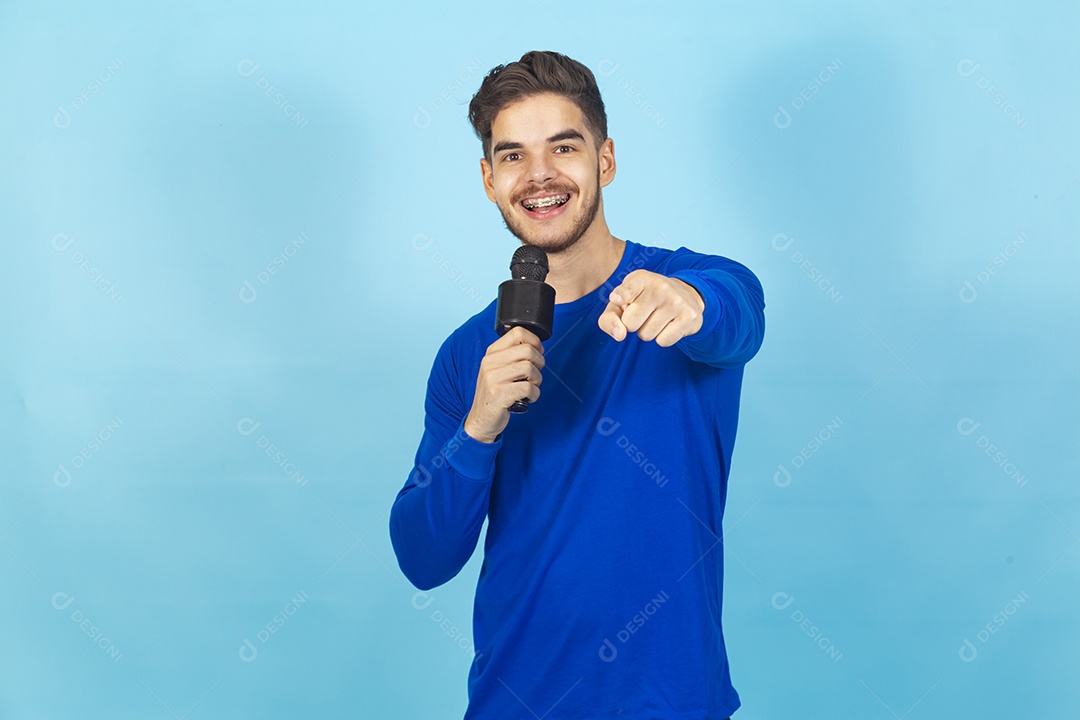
600,592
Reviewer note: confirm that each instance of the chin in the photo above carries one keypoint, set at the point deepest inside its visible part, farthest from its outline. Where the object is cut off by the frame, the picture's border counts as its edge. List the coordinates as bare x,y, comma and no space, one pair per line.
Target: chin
551,243
554,246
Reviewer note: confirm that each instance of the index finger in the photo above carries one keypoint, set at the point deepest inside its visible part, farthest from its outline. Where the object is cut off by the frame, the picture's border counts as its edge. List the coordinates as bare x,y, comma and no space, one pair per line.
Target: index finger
610,321
629,289
518,335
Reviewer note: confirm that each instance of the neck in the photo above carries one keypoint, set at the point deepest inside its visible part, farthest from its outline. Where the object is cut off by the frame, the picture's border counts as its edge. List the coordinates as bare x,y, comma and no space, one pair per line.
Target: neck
582,267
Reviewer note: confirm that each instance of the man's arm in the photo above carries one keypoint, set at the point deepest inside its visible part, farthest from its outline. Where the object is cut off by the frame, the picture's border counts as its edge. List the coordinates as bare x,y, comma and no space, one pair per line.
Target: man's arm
711,307
436,518
733,323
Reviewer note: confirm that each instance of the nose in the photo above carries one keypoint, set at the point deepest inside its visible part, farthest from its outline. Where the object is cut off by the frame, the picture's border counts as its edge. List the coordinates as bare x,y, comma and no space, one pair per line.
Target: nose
541,169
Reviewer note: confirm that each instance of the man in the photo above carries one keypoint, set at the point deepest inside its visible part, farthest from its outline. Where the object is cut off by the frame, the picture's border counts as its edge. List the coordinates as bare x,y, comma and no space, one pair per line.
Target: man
600,591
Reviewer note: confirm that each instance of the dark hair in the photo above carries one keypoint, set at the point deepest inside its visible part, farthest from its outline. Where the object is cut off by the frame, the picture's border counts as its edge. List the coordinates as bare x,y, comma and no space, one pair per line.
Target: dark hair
538,71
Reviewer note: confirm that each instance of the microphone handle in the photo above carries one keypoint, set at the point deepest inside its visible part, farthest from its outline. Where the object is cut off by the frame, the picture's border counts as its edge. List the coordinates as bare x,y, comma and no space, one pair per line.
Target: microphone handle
522,405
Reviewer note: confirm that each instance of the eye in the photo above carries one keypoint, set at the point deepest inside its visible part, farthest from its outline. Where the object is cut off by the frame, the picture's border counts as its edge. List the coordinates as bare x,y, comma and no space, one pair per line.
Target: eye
565,147
510,156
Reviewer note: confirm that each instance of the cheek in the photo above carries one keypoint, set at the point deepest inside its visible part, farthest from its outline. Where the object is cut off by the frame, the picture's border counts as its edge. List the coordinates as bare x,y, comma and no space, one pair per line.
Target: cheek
505,198
504,187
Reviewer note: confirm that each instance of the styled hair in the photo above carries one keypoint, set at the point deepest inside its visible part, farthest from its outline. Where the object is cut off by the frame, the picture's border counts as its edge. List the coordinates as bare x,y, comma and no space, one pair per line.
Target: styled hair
537,72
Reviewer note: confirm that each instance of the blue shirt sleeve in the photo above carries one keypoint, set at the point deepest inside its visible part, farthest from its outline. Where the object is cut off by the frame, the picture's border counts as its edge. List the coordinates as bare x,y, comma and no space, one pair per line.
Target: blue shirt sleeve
436,518
733,324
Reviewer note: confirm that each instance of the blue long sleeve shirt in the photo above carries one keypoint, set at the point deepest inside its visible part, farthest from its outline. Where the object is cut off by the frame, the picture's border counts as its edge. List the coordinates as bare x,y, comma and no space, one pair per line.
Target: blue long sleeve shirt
600,591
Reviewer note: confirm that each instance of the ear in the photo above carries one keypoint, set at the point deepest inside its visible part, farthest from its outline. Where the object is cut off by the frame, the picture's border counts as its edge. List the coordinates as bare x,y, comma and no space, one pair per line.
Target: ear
607,162
488,178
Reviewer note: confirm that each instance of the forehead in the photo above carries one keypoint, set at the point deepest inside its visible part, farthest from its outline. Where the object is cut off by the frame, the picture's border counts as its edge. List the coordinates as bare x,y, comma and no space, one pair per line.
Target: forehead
535,118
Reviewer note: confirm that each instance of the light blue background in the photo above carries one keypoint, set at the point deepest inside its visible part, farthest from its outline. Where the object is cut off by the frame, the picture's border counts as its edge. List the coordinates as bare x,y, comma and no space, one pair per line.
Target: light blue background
147,179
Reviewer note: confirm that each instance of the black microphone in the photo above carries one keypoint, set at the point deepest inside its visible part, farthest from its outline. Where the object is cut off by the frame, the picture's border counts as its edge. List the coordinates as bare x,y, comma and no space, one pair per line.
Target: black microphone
526,301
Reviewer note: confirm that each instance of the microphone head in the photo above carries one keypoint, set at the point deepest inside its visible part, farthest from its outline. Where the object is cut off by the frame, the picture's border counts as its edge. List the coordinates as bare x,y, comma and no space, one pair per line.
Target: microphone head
529,263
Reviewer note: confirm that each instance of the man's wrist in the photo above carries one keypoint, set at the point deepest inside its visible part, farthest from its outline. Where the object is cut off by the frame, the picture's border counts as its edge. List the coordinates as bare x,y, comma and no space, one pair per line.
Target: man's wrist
697,294
478,436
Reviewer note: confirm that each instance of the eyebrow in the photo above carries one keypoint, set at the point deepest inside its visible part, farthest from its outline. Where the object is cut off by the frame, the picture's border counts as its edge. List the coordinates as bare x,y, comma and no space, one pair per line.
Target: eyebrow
567,134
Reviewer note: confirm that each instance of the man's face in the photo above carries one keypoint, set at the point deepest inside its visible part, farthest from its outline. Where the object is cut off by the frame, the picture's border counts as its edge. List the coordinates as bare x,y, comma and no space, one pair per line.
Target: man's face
545,173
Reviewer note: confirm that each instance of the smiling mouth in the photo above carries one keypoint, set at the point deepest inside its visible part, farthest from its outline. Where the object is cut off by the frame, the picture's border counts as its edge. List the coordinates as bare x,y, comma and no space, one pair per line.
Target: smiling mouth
542,205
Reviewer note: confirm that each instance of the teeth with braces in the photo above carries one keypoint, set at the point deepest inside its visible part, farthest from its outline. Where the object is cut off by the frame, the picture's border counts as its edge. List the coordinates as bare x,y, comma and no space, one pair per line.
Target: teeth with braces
546,202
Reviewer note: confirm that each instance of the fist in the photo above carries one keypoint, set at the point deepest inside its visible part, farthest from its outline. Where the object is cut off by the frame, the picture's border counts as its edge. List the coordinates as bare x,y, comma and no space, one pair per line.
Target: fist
509,371
654,306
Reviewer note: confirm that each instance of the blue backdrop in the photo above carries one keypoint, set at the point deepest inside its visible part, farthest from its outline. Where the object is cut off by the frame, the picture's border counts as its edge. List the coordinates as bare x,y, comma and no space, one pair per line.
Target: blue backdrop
236,238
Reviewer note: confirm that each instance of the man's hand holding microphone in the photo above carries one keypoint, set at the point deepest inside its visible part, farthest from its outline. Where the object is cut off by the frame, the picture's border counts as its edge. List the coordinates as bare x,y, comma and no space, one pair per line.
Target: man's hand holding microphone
515,357
509,377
